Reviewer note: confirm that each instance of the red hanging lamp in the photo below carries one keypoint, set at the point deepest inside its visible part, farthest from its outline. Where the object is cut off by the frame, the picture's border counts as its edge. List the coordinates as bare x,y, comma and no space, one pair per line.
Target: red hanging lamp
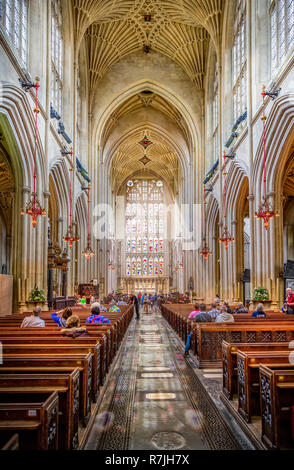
69,236
205,250
88,252
265,211
33,207
226,237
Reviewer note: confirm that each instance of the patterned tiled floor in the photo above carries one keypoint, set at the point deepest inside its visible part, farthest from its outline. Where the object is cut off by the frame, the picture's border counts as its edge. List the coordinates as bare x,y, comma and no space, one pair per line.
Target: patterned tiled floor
154,400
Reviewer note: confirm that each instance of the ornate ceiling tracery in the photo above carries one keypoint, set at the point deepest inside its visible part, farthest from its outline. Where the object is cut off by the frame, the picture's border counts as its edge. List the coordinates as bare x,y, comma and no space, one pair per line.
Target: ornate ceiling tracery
179,30
163,161
111,41
147,100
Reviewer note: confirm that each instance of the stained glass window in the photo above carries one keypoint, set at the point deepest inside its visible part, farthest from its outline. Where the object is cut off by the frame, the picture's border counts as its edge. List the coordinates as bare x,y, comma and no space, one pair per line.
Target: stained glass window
239,62
56,56
282,31
14,18
144,228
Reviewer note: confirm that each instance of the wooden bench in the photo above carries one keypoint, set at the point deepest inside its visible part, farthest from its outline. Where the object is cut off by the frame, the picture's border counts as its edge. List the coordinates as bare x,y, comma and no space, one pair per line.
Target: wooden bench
93,345
33,417
208,339
67,386
230,375
248,378
82,361
277,400
54,349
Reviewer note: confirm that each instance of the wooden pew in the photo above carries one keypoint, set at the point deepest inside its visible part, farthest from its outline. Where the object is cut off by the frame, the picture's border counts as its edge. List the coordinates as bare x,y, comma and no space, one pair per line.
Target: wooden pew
54,332
230,383
54,349
207,339
67,386
93,345
33,417
82,361
248,378
277,399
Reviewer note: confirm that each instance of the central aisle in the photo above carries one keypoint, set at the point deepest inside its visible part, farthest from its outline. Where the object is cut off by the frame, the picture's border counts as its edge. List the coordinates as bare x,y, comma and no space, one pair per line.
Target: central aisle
154,400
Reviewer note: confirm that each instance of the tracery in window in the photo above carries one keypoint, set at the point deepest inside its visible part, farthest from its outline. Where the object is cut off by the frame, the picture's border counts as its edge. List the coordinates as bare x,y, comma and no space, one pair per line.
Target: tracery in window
282,31
144,228
239,62
56,56
14,20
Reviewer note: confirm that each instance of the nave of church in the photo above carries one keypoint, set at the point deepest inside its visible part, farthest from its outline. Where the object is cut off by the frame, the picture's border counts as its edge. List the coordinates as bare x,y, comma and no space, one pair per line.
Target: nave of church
146,168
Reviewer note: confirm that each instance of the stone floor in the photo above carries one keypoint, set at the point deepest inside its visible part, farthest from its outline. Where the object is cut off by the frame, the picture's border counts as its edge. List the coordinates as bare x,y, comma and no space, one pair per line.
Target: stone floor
156,399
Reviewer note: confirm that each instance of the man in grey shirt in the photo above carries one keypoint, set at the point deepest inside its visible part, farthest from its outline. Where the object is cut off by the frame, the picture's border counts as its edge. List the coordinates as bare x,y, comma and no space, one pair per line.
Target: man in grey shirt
34,321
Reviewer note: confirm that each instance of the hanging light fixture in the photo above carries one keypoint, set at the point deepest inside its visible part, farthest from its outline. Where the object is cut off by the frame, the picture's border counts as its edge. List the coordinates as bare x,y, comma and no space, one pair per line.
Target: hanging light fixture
226,237
69,236
33,207
205,250
88,252
265,211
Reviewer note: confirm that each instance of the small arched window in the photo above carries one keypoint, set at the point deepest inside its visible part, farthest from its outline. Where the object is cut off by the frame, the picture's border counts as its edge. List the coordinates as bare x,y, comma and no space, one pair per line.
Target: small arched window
239,61
56,56
14,21
282,31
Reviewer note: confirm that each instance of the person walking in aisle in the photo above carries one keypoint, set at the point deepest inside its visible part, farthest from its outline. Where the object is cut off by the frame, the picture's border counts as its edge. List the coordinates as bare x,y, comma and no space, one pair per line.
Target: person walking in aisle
134,300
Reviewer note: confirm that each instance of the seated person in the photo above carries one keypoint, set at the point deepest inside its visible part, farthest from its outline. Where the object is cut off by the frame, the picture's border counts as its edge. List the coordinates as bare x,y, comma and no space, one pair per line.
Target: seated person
202,316
74,328
101,306
61,316
224,316
229,310
259,312
289,303
240,308
95,316
214,311
195,311
217,299
33,321
92,299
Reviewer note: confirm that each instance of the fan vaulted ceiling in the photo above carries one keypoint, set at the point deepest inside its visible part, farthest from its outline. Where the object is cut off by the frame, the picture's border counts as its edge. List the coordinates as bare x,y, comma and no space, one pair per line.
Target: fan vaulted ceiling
163,161
179,30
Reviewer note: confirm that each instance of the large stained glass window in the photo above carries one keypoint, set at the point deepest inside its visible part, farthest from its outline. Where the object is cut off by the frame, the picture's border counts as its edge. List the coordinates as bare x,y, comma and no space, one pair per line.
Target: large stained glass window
144,228
14,19
282,31
239,61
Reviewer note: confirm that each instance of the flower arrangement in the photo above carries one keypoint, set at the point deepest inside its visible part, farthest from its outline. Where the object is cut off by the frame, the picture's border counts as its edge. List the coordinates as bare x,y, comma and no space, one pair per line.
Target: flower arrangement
37,295
261,294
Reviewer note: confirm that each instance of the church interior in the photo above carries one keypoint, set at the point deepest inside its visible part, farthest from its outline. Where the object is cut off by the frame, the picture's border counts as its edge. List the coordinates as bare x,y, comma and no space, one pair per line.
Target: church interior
146,225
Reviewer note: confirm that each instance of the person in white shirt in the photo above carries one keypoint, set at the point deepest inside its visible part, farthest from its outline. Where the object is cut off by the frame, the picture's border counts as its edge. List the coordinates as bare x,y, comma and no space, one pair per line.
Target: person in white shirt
224,316
34,321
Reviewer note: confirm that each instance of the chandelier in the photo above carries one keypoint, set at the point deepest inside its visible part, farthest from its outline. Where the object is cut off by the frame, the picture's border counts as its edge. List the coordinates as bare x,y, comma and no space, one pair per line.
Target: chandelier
265,211
33,207
205,250
88,252
226,237
69,237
